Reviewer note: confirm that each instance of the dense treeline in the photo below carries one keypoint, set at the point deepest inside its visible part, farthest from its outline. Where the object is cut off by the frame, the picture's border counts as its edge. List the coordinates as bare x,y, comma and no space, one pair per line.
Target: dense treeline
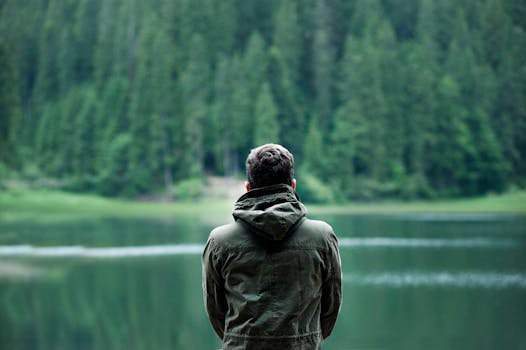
413,98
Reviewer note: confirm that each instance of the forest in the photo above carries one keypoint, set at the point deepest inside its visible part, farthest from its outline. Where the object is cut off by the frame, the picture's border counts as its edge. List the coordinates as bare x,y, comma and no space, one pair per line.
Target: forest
375,98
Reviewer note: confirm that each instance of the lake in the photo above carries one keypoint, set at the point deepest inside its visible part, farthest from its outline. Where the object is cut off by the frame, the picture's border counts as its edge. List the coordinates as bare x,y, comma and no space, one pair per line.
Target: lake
423,281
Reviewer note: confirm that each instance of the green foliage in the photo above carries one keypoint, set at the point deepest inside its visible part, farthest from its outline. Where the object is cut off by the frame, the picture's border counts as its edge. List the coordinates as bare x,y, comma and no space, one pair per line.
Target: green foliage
188,190
375,98
311,189
113,177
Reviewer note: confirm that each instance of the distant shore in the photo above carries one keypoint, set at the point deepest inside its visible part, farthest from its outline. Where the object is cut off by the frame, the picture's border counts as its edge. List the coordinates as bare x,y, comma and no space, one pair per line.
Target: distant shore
18,204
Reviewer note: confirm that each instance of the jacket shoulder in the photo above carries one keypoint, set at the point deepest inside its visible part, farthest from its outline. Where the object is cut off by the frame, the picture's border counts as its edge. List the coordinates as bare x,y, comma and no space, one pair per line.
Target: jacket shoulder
317,228
226,233
316,231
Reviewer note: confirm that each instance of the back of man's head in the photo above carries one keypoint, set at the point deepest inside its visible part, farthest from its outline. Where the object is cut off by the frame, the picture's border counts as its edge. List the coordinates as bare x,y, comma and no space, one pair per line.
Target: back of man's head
270,164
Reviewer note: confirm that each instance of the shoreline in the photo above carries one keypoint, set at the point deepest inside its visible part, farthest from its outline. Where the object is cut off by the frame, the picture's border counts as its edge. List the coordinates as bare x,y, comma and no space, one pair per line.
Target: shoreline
50,204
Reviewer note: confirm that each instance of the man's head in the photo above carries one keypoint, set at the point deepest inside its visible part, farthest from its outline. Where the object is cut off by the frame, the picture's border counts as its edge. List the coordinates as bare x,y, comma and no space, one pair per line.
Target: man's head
270,164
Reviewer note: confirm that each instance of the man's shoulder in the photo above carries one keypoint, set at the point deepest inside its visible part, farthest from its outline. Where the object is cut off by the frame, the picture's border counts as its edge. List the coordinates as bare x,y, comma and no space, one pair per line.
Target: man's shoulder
315,232
225,232
317,225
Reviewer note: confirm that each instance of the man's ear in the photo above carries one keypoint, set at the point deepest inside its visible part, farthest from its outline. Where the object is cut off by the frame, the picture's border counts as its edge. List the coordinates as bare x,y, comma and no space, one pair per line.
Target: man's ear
247,186
293,184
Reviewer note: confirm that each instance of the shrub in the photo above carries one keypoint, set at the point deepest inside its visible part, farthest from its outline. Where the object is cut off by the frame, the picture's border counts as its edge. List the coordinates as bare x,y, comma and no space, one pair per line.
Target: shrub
188,189
312,190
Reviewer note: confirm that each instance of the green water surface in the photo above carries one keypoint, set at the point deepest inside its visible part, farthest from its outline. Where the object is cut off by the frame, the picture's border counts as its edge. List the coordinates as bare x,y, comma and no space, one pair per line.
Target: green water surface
410,282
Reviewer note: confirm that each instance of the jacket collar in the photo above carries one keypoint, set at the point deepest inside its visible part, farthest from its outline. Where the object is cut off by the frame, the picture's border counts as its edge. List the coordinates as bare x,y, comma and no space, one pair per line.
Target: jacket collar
271,212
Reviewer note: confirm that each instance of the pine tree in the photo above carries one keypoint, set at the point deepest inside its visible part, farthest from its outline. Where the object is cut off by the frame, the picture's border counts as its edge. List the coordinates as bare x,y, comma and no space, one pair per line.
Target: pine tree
323,63
266,129
314,157
495,31
103,58
223,27
392,124
47,85
509,115
84,37
84,157
194,85
255,63
346,139
241,109
418,102
111,126
285,67
221,127
454,145
10,115
42,143
485,166
254,70
361,85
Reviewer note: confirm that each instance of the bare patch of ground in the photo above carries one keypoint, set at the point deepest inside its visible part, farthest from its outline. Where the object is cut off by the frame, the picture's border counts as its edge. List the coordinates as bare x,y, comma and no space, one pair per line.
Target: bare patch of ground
224,187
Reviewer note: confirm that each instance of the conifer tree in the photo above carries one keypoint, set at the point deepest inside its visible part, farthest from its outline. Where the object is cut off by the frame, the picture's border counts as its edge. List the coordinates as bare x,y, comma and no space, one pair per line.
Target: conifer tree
314,157
223,27
241,109
286,56
111,124
84,157
84,37
194,85
509,115
10,115
345,140
485,167
495,29
266,129
419,104
254,68
103,57
221,127
255,63
323,64
450,154
47,84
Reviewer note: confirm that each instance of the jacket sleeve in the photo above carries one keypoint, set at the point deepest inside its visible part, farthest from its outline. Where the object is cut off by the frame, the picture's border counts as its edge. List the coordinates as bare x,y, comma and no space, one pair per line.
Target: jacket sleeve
331,297
213,289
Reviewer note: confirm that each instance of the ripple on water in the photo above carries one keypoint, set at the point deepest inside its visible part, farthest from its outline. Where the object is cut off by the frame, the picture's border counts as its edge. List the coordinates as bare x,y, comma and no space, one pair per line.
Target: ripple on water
464,279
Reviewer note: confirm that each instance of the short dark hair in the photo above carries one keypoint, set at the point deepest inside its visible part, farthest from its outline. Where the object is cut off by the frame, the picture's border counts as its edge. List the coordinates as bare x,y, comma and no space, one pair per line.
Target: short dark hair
270,164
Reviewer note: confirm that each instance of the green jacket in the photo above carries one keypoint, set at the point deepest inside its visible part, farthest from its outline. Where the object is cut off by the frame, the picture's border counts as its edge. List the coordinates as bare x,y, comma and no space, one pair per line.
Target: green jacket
272,279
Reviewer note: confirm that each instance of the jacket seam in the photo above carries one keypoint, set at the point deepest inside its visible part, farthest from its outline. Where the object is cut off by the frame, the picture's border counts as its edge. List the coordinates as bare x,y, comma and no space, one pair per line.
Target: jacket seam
278,337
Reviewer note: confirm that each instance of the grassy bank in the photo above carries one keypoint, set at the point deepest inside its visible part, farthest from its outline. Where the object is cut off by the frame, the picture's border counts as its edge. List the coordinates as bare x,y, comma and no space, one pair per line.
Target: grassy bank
509,203
25,203
56,205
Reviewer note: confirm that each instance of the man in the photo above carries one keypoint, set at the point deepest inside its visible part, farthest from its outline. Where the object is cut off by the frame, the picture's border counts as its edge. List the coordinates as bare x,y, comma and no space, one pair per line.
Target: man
272,279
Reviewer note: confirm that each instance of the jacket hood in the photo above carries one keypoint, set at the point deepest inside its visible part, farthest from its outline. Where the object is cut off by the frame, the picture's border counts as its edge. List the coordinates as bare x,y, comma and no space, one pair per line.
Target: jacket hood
271,212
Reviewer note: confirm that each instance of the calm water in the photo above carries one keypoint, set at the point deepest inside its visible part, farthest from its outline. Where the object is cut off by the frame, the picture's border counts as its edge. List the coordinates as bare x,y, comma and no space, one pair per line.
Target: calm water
410,282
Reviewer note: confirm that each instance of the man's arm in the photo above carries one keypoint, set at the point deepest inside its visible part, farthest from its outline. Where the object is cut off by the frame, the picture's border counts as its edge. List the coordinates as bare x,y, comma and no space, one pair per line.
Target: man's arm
213,290
331,296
